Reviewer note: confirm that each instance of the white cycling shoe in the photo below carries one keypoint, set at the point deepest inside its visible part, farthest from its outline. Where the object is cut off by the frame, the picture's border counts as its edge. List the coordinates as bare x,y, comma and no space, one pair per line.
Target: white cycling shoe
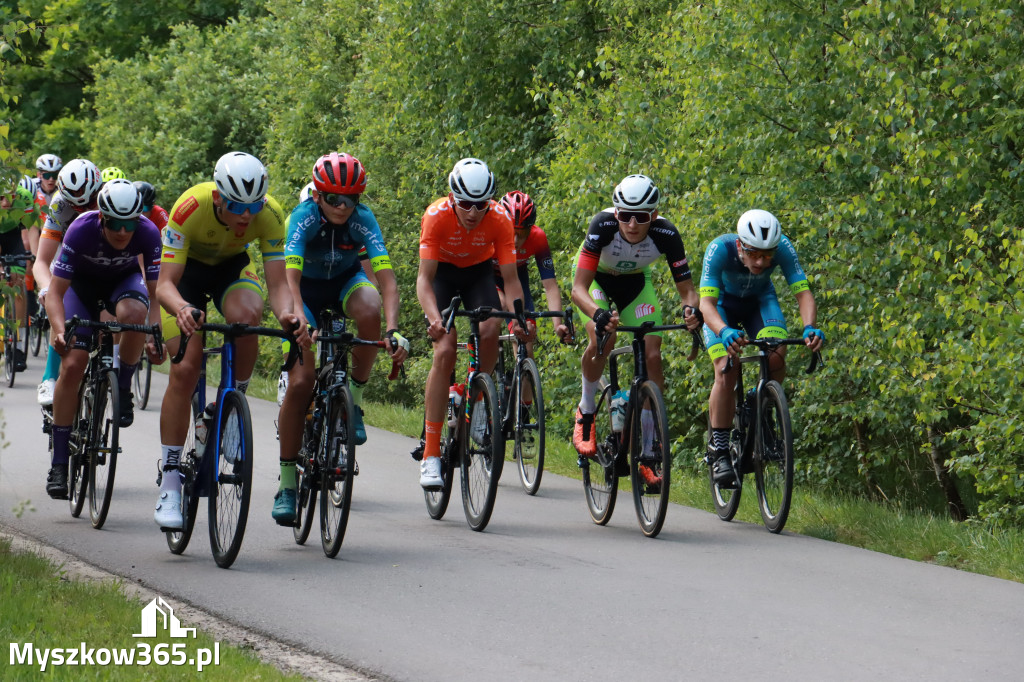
168,510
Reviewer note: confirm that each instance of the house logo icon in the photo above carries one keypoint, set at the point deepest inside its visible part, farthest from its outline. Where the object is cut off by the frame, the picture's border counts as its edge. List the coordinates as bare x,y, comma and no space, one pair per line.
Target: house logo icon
159,611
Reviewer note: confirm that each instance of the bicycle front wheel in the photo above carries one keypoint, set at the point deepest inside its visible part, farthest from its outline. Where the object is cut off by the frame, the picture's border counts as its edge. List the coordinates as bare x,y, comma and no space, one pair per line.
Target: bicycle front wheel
143,379
188,465
650,461
773,458
338,455
437,499
600,481
483,453
78,446
725,499
9,322
103,447
232,484
528,428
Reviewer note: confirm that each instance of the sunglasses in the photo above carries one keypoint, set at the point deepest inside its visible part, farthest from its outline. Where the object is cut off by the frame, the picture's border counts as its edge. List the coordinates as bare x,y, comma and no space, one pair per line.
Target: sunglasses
340,200
467,205
48,176
119,224
757,253
238,208
147,209
641,217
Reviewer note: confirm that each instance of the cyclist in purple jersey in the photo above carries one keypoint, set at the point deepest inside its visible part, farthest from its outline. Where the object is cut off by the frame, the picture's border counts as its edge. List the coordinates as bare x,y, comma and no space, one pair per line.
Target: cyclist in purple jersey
96,270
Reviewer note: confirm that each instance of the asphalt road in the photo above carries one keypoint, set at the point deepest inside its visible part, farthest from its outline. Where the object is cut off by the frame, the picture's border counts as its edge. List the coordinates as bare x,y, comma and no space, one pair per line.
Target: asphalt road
543,593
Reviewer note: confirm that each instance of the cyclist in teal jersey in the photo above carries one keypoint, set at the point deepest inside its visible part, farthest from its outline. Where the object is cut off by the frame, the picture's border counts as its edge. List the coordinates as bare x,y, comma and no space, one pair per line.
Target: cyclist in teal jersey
736,292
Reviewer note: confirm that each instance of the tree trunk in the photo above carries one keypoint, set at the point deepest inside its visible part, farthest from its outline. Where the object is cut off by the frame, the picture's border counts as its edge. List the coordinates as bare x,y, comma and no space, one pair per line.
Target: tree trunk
955,504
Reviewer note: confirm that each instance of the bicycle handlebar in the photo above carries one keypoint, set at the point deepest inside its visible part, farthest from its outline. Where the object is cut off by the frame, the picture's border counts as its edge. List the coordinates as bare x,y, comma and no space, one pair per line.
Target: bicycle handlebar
642,330
114,327
241,329
350,339
484,312
771,344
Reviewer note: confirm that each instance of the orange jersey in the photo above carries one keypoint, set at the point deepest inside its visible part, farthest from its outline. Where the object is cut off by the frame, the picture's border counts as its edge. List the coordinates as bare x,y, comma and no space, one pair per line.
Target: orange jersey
443,239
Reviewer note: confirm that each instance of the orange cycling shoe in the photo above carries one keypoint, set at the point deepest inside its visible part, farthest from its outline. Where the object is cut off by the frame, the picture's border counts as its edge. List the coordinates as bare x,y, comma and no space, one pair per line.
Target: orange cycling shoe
583,434
650,478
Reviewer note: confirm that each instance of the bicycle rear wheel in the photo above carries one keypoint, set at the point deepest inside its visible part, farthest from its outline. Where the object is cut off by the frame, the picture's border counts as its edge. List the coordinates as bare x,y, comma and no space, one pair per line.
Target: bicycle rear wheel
9,322
338,454
26,329
650,461
103,447
143,379
307,486
600,482
773,458
78,446
437,499
36,332
232,483
529,428
727,500
483,453
188,470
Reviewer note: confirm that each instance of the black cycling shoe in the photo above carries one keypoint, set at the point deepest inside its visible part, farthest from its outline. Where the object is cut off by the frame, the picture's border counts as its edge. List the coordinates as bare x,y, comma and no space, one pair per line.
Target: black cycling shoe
127,408
19,360
721,469
57,482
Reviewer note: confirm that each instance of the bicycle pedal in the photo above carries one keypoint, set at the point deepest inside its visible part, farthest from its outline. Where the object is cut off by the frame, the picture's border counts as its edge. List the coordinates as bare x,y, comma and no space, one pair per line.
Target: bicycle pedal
288,524
165,529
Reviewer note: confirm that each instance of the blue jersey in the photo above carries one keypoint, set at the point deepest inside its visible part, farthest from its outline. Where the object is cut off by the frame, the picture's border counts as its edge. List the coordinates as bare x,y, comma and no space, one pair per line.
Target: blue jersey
322,250
724,272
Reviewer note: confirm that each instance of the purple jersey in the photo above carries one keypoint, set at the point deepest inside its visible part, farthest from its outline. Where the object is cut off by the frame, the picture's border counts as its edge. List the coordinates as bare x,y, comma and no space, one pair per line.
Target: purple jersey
86,253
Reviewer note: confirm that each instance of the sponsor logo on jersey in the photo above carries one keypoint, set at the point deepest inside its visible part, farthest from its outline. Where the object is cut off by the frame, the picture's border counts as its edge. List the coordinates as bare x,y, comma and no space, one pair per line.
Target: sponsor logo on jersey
173,239
597,295
679,263
625,265
549,264
183,211
643,310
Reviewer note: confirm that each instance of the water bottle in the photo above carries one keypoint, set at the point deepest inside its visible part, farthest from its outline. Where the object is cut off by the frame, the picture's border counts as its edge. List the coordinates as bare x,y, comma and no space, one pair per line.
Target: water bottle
748,407
455,393
618,405
203,423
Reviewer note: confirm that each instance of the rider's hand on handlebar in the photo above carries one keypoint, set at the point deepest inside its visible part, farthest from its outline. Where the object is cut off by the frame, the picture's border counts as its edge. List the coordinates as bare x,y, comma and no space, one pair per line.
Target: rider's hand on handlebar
605,322
436,330
155,355
525,335
187,322
398,349
562,332
296,324
814,338
692,317
733,340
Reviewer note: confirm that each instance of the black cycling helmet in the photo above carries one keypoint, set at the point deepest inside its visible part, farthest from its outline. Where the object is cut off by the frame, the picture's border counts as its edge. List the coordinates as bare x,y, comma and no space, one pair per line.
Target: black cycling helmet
146,191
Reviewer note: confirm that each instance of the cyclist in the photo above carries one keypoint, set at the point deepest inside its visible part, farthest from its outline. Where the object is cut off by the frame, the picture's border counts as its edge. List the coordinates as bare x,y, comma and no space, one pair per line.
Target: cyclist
204,258
156,214
531,242
45,185
325,235
98,269
18,211
614,265
78,185
736,292
460,233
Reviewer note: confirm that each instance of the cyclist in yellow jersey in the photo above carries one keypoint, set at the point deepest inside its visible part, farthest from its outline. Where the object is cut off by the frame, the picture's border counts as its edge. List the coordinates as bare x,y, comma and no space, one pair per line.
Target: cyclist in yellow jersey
205,259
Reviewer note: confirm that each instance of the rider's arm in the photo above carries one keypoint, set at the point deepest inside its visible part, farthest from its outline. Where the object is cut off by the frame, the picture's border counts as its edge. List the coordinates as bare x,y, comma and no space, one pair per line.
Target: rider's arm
389,296
425,290
581,291
278,291
41,269
513,288
55,305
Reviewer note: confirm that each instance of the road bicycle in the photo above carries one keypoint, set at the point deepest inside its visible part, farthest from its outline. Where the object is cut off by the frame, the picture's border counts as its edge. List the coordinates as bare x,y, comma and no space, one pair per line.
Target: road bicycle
521,400
637,447
471,434
10,319
95,433
326,464
216,460
761,440
143,379
39,329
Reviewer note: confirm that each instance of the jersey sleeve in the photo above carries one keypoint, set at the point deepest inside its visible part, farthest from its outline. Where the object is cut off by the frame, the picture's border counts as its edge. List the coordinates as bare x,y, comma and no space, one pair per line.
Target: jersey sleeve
711,274
273,234
175,236
66,260
790,264
302,225
504,237
366,229
150,248
593,243
430,245
666,237
542,253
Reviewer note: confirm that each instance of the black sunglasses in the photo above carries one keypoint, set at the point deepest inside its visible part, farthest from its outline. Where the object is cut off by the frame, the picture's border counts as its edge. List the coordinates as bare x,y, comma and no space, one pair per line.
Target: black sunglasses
641,217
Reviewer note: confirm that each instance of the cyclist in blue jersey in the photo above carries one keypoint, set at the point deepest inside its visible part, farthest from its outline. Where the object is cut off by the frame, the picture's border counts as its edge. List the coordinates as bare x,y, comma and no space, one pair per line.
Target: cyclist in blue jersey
737,298
326,233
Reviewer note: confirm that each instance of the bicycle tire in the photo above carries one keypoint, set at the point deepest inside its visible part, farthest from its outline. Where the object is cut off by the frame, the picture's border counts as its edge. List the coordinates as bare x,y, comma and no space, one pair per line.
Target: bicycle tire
600,482
338,455
103,446
651,489
9,340
143,380
437,500
231,486
307,486
35,331
727,500
773,458
481,460
78,461
26,329
528,427
188,470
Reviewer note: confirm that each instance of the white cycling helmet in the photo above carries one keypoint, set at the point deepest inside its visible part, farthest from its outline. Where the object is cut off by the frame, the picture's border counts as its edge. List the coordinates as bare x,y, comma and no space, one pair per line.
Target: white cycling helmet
49,163
27,183
241,177
120,199
305,193
636,193
471,180
79,181
759,229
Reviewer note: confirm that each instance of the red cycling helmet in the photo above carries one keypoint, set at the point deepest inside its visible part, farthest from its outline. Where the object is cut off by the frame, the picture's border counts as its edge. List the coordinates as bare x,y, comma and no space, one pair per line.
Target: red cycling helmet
336,173
520,208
